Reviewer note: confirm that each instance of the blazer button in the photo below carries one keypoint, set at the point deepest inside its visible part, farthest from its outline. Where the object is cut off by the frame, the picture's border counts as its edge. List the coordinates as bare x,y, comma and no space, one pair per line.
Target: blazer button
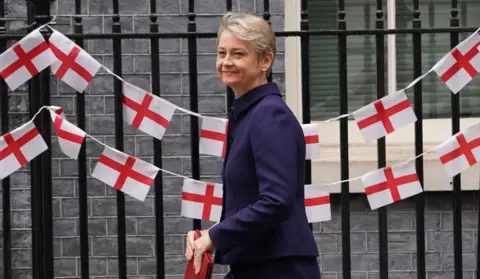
231,140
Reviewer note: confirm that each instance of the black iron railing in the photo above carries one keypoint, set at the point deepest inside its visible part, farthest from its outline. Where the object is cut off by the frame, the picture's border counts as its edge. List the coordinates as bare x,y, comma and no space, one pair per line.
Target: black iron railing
41,167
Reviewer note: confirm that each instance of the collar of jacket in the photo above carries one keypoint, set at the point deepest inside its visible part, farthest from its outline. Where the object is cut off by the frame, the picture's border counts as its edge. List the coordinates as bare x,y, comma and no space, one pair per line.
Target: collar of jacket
244,102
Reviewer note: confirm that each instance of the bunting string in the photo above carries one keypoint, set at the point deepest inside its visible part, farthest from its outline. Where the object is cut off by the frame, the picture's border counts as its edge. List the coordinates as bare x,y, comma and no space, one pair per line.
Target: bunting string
152,115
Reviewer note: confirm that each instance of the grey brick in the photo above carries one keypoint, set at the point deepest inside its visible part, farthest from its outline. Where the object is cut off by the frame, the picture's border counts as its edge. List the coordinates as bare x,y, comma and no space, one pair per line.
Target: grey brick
64,227
21,258
100,7
443,241
21,238
131,266
134,7
21,219
65,267
130,226
97,266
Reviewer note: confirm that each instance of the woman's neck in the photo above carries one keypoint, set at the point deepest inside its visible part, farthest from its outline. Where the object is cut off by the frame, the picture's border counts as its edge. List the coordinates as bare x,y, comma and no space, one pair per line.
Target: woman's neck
239,92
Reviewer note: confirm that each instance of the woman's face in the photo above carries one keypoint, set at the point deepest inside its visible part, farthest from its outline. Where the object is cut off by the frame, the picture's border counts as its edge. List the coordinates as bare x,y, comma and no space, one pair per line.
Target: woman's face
238,65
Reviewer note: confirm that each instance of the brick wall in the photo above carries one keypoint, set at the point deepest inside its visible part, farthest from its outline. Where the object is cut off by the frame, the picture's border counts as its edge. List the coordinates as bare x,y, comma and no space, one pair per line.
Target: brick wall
176,149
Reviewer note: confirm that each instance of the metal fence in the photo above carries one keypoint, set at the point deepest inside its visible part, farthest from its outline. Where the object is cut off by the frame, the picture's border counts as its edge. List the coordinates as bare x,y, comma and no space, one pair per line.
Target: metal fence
41,168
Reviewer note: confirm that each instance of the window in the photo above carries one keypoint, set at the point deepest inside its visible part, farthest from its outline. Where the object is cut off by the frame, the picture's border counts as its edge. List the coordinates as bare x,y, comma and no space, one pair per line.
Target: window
361,78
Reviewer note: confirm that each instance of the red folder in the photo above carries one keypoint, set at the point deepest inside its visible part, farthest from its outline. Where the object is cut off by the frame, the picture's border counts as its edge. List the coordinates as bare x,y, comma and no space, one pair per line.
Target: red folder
207,265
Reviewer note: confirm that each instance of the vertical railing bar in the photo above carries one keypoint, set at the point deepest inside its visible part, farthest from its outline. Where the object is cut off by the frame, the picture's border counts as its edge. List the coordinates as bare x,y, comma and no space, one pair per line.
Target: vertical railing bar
42,16
36,203
118,89
5,183
305,64
230,94
381,150
266,16
344,165
157,148
457,203
417,95
82,161
193,82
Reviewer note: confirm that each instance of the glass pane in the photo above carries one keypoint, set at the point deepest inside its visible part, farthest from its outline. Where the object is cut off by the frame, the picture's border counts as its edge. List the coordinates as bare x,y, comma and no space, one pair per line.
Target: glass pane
361,58
435,14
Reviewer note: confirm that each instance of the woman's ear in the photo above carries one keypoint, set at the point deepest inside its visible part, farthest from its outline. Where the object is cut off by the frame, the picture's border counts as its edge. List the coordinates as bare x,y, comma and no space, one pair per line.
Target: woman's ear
267,61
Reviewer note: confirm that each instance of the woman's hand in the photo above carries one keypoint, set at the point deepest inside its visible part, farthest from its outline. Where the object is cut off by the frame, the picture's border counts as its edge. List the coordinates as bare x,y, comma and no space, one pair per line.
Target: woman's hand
202,245
190,244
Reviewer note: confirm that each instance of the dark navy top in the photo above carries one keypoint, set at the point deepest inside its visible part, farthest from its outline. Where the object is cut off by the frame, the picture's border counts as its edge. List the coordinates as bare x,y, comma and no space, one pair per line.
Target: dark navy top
263,215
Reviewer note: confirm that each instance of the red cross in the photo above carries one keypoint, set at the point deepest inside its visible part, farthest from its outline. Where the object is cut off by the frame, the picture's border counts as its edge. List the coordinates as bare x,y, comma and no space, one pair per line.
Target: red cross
125,171
383,115
462,62
216,136
68,62
208,200
391,183
24,60
143,111
311,139
465,148
13,146
317,201
65,134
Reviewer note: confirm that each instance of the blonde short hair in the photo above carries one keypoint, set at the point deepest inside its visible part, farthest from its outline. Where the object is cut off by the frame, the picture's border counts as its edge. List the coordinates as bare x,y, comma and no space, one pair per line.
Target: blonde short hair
250,28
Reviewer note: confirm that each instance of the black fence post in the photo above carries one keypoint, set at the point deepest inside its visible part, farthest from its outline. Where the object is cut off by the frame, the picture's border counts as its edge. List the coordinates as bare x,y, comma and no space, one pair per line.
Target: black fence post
344,164
157,147
43,229
305,64
5,183
82,161
457,190
118,94
417,91
193,83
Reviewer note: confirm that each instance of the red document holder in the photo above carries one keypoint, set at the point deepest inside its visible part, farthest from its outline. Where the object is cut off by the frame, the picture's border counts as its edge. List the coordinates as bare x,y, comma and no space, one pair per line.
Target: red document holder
207,265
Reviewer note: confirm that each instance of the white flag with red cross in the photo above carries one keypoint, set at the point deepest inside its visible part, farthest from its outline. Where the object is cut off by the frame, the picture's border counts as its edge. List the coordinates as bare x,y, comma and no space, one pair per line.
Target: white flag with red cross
458,67
391,184
130,175
213,136
25,59
19,147
70,137
201,200
460,151
145,111
317,203
58,110
384,116
74,66
312,140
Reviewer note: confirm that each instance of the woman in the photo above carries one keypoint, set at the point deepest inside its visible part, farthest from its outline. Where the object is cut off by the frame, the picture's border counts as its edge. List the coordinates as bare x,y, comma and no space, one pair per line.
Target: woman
263,232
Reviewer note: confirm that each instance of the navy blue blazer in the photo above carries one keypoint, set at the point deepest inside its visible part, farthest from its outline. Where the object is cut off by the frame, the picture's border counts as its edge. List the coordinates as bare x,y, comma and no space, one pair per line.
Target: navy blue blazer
263,215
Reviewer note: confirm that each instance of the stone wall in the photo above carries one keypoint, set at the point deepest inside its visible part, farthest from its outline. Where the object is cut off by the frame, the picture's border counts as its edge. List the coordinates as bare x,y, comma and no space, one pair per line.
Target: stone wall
176,150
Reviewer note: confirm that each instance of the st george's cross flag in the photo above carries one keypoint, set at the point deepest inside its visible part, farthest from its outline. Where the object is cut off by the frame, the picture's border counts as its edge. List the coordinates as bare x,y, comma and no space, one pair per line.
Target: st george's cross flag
145,111
201,200
312,140
125,173
25,59
391,184
459,66
58,110
70,137
19,147
213,136
74,66
384,116
317,203
460,151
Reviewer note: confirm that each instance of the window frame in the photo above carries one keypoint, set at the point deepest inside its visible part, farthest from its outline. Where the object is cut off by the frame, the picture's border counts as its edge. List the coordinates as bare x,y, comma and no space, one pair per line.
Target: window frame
400,145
